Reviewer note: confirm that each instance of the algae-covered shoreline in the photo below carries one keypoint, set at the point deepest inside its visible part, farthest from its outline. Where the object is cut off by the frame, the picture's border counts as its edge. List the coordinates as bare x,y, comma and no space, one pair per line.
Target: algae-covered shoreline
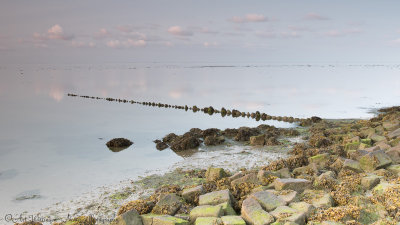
341,172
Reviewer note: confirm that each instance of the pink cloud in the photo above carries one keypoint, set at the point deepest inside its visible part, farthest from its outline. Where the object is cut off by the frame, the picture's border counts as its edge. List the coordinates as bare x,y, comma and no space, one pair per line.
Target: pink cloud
55,32
210,44
315,16
249,18
102,33
179,31
126,43
81,44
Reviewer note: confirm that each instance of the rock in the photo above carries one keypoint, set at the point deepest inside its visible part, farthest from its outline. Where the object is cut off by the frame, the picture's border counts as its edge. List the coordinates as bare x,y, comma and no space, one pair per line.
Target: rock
232,220
287,214
370,181
259,188
257,140
283,173
253,213
321,160
352,146
182,143
131,217
325,180
318,198
249,178
190,194
394,154
206,211
227,208
161,146
118,144
216,197
304,207
287,196
266,177
394,134
383,145
168,220
214,140
169,138
381,188
210,132
236,176
208,221
377,138
356,154
244,133
372,149
298,185
391,125
168,204
395,169
267,200
352,165
366,141
374,160
214,174
338,164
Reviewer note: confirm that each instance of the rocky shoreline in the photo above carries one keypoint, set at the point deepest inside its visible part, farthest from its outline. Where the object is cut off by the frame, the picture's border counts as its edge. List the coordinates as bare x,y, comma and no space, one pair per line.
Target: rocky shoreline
345,172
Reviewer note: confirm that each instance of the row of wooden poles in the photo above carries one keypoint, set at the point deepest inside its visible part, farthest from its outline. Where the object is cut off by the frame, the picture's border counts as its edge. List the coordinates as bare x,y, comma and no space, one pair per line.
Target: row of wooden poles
208,110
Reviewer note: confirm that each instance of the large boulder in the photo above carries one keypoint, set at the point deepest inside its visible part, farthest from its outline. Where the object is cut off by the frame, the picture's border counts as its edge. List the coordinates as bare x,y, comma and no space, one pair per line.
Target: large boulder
214,174
168,204
249,178
208,221
321,160
257,140
375,160
267,200
352,165
206,211
394,134
298,185
370,181
288,214
131,217
182,143
216,197
232,220
253,213
394,154
318,198
191,194
304,207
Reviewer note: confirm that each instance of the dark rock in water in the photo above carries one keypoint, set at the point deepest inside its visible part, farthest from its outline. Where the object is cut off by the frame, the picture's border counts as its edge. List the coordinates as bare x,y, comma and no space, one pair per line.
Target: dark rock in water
315,119
210,132
118,144
161,146
214,140
169,138
244,133
32,194
185,142
228,132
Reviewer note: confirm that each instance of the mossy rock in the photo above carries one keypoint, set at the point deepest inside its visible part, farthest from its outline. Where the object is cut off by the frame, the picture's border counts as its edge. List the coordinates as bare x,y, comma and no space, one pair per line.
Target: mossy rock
214,174
208,221
352,146
366,141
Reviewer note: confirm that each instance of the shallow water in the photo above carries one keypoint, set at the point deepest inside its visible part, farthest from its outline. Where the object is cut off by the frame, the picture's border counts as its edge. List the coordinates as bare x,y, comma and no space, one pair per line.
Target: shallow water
53,146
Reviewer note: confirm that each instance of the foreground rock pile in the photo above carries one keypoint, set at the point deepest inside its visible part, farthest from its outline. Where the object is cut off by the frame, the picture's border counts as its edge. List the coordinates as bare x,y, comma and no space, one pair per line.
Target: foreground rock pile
348,172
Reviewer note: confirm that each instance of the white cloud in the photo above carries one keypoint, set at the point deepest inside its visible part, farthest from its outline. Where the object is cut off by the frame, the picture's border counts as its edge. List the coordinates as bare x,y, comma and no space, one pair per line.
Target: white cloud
55,32
179,31
249,18
315,16
126,43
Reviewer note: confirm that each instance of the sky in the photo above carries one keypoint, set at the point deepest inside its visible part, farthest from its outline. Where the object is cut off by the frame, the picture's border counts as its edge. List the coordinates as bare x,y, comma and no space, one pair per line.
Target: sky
265,31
